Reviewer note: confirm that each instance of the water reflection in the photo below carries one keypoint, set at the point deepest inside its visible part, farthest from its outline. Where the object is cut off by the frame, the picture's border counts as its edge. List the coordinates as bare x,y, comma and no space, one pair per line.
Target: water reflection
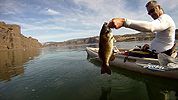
105,93
157,88
79,47
11,62
68,48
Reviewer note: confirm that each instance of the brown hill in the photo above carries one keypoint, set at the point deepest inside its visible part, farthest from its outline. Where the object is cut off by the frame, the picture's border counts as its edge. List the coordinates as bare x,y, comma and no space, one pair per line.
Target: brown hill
11,38
72,42
95,39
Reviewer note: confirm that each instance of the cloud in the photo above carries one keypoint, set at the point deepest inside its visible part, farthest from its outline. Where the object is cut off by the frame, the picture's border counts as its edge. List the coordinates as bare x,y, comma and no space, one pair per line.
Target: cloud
51,12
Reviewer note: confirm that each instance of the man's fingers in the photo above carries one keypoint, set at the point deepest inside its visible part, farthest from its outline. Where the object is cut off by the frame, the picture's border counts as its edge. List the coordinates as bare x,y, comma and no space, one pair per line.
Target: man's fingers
111,24
116,23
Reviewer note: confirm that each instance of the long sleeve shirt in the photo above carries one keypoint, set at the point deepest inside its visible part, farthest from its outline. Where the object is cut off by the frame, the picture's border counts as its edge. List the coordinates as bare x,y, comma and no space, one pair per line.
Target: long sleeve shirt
164,27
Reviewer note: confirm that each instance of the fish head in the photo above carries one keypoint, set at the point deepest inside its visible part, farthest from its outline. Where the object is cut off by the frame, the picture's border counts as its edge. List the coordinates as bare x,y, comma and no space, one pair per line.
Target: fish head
106,31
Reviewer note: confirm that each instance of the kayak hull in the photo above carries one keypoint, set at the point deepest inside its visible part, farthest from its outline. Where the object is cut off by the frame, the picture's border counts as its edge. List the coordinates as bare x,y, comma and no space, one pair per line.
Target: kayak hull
133,64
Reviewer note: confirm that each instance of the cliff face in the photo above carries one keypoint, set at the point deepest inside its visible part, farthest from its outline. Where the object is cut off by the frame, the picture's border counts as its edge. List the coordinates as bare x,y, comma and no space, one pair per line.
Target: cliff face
11,38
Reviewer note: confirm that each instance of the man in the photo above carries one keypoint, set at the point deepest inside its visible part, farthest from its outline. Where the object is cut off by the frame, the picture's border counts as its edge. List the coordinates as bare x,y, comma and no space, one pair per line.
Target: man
163,24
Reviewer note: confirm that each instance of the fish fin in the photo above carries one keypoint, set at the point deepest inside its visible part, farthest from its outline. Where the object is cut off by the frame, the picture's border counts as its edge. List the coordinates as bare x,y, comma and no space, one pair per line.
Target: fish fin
105,69
114,40
112,57
109,40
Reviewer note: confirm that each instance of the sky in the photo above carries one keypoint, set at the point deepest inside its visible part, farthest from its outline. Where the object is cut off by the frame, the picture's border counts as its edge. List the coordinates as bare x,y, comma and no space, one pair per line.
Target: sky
62,20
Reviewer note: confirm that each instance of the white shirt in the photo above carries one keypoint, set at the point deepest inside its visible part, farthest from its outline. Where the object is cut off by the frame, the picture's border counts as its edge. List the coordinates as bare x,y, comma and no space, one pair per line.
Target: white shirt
165,28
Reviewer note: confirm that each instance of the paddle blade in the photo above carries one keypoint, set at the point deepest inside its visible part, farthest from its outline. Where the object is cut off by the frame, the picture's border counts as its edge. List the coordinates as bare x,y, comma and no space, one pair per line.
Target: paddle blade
112,57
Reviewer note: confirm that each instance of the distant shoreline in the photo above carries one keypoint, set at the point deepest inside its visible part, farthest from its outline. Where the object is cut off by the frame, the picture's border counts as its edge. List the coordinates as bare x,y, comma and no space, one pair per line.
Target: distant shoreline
146,36
95,39
12,39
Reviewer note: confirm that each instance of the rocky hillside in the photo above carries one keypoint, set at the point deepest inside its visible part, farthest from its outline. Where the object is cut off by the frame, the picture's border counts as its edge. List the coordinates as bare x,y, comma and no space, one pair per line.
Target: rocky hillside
119,38
72,42
11,38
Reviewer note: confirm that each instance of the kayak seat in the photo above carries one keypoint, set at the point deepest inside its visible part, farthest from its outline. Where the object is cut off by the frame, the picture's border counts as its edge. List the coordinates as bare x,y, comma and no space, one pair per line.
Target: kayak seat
151,54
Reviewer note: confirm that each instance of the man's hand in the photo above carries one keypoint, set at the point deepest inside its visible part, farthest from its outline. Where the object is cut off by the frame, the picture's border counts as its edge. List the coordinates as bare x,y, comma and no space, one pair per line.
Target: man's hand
116,23
146,46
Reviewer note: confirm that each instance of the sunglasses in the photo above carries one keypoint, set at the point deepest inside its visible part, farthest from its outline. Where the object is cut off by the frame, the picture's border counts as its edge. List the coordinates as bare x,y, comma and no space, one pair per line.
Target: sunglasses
152,10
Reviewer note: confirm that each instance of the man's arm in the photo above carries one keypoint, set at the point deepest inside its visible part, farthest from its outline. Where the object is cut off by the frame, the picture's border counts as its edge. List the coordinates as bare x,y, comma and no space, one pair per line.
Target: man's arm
159,24
154,26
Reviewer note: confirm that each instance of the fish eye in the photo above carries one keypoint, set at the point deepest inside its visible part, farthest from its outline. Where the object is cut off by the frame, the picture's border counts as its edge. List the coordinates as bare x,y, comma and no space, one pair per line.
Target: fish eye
107,31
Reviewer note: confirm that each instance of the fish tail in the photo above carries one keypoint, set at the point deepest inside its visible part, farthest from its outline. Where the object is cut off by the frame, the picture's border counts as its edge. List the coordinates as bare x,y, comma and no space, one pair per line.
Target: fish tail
105,69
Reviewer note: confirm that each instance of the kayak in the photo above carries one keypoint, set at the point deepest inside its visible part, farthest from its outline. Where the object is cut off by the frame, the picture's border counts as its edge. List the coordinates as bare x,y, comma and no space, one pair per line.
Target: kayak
149,66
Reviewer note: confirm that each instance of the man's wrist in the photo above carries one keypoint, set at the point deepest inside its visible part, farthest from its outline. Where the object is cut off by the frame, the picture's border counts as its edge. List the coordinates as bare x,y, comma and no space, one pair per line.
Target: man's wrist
127,23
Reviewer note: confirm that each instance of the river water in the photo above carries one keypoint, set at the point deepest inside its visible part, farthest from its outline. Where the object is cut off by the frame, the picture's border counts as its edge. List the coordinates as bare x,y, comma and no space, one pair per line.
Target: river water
66,73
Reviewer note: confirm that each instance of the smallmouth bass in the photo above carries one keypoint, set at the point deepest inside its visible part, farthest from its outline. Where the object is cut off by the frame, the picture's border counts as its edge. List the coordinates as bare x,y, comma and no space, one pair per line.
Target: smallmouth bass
106,48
